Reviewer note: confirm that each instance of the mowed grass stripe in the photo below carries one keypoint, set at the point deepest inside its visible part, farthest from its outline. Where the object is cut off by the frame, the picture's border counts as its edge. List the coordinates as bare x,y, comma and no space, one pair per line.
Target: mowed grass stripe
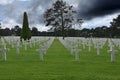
57,53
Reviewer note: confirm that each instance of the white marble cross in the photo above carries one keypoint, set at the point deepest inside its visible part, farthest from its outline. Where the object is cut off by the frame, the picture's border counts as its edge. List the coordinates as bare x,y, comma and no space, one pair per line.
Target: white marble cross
89,46
25,45
77,54
30,42
4,50
113,52
17,47
76,49
72,48
98,48
42,51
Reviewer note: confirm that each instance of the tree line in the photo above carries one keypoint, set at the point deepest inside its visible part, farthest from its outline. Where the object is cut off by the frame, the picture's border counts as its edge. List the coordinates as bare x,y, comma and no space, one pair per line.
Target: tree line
103,31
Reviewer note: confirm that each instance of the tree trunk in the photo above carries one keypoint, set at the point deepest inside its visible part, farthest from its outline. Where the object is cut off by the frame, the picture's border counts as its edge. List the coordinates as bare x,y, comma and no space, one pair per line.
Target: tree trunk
62,24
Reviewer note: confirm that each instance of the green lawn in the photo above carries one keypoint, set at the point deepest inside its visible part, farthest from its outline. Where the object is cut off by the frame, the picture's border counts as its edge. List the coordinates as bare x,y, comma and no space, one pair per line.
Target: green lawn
58,64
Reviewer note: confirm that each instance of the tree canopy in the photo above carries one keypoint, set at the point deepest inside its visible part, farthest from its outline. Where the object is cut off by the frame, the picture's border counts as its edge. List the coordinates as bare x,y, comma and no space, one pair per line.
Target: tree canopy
115,27
60,16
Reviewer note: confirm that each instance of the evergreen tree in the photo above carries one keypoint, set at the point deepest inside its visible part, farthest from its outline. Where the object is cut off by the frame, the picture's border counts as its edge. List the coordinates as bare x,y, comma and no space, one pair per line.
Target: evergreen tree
25,32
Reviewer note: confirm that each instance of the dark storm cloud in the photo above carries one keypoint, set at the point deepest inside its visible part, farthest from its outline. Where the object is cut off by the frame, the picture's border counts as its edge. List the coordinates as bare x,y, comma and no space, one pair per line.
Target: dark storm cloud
89,9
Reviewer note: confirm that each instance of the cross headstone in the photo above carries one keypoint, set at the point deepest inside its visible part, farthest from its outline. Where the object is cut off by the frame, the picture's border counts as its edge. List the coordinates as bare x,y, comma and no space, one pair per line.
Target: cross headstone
98,49
72,48
42,52
77,54
25,45
4,50
17,47
89,46
76,50
113,52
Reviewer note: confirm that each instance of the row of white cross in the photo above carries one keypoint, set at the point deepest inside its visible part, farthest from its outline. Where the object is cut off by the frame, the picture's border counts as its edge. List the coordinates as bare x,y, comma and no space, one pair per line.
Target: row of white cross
73,48
15,42
43,48
74,45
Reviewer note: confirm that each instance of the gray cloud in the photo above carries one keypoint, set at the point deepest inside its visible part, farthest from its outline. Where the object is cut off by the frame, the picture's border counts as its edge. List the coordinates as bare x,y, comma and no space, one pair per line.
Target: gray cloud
12,11
89,9
36,10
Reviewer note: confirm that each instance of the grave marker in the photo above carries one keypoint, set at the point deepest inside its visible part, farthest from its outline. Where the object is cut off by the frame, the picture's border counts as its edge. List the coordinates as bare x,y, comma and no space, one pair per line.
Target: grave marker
77,54
89,46
42,51
4,50
113,52
17,47
98,49
25,45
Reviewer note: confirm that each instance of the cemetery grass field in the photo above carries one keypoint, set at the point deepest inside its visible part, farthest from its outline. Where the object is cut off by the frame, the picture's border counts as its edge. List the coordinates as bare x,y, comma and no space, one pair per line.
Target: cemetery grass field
58,64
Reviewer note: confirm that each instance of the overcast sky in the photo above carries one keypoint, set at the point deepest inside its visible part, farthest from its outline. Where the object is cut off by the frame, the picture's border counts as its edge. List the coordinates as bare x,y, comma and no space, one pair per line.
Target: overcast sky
94,12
